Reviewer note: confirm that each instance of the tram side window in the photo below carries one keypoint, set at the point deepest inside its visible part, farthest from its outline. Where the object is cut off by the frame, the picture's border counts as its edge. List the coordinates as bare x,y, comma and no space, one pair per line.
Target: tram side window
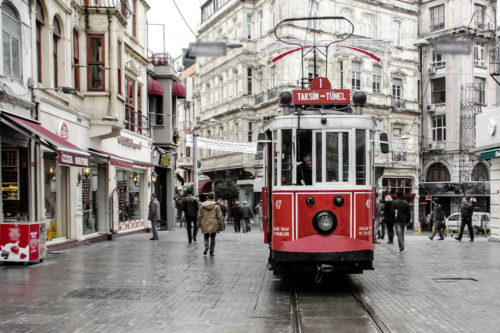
275,157
304,148
319,155
286,157
360,157
345,157
332,157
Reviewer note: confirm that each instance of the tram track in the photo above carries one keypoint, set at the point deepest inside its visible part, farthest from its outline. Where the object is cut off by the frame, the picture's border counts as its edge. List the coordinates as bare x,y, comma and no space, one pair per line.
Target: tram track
333,304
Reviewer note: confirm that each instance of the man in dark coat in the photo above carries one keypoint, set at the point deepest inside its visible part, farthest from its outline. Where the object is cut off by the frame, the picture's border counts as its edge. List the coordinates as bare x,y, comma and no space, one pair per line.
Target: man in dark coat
466,215
389,218
154,215
236,215
437,219
304,171
402,216
190,209
246,214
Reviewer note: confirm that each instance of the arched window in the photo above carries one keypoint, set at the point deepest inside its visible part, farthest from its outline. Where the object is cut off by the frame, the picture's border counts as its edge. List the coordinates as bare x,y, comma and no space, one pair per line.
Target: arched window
480,173
438,173
56,36
76,60
11,29
40,21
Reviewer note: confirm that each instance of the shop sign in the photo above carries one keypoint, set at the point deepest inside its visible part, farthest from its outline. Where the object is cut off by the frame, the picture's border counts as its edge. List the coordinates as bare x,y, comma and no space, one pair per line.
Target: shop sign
165,160
321,96
489,154
129,142
62,130
73,159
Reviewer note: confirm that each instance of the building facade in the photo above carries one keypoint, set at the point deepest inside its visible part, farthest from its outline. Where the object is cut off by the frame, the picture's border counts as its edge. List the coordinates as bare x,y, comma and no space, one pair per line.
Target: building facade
240,89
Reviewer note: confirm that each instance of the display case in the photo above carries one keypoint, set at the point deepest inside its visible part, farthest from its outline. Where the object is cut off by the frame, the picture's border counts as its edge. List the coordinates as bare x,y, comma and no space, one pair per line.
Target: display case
10,174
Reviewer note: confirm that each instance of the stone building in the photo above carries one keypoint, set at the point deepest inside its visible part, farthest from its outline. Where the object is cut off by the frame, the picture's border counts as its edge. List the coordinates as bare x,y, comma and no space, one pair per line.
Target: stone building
456,88
240,89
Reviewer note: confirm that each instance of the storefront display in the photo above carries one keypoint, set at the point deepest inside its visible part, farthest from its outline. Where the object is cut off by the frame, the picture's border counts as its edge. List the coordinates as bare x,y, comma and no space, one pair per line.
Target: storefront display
129,199
22,242
14,169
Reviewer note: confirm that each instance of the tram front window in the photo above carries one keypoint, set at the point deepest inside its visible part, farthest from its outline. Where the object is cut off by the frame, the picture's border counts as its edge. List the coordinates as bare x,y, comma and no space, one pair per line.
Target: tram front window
286,157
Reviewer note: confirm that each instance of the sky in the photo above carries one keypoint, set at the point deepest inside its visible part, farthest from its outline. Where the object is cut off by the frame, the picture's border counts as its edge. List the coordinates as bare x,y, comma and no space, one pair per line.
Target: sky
177,34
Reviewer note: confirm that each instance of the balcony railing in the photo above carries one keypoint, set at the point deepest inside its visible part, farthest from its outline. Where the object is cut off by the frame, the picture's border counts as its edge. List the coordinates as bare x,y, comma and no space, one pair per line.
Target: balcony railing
122,6
161,59
259,98
272,93
398,103
399,156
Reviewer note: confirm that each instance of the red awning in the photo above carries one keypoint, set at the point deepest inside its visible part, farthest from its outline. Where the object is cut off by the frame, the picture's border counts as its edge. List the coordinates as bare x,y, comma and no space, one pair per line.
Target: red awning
144,164
69,154
155,88
115,159
204,186
178,90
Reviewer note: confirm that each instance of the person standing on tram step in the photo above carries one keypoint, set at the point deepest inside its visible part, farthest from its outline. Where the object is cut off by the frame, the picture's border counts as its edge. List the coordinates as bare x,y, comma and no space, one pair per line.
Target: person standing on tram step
466,214
210,220
437,219
389,218
260,215
246,214
304,171
154,215
190,209
402,216
236,215
378,217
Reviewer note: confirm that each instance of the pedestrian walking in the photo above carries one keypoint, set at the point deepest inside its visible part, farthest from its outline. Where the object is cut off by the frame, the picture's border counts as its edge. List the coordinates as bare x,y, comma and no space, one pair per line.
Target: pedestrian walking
402,216
259,214
154,215
210,221
178,207
466,215
389,218
246,214
236,215
378,218
190,209
223,210
437,219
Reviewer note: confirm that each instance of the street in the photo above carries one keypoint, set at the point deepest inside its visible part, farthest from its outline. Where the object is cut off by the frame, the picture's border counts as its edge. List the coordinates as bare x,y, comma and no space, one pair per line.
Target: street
133,284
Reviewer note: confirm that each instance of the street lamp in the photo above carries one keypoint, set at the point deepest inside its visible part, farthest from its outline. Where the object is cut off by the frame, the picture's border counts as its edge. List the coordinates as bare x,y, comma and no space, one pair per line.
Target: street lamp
195,152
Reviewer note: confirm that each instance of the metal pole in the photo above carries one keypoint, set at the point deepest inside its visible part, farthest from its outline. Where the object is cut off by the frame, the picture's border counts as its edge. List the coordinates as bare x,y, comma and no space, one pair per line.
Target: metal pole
195,160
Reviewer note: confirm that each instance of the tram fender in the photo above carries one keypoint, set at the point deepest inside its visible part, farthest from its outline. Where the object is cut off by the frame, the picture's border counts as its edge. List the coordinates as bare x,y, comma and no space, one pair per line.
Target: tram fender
324,244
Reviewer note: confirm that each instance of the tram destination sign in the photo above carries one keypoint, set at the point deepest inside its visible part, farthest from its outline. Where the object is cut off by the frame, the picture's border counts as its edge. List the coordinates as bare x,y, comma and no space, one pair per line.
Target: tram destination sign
321,96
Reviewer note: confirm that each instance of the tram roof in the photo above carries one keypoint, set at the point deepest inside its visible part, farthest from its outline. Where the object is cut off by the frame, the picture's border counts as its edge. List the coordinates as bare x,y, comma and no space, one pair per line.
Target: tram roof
315,122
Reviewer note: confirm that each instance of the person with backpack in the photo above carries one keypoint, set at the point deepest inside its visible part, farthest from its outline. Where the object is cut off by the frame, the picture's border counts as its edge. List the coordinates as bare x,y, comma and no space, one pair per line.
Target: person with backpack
437,219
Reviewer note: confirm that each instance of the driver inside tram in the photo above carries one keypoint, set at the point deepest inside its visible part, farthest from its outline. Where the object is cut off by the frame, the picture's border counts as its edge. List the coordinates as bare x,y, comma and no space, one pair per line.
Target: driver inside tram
304,171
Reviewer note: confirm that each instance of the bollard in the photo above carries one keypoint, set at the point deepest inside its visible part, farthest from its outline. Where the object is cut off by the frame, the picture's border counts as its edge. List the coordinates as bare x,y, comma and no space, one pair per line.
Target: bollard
419,229
446,231
485,232
432,228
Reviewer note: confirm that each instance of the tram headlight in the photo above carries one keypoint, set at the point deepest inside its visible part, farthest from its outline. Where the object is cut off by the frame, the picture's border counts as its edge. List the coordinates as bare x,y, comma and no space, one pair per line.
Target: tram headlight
324,222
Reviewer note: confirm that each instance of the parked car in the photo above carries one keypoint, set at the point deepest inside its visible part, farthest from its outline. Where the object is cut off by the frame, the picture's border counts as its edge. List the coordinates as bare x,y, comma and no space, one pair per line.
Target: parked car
480,221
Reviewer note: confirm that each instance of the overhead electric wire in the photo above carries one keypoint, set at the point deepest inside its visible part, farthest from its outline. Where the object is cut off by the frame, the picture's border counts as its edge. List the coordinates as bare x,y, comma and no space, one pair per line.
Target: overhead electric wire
182,16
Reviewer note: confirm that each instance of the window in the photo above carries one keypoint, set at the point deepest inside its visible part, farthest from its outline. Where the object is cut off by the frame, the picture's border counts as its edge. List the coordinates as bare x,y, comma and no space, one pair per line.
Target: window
377,78
479,12
396,30
236,132
397,89
129,105
341,74
368,25
235,83
439,128
438,173
274,77
76,60
438,87
437,17
356,76
140,122
480,172
479,95
395,185
397,142
438,59
134,18
249,26
249,81
95,59
56,36
261,83
119,64
479,53
313,12
361,163
311,72
11,30
221,89
209,95
235,29
250,131
273,14
346,27
261,22
40,20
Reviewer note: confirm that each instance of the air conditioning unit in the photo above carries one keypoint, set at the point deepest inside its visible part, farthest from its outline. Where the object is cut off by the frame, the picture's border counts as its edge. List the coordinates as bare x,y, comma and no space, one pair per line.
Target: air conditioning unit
432,70
490,26
436,146
431,108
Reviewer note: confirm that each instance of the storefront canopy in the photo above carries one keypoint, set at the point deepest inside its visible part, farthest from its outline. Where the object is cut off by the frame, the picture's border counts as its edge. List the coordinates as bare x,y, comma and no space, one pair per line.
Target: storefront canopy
68,154
120,161
155,88
178,90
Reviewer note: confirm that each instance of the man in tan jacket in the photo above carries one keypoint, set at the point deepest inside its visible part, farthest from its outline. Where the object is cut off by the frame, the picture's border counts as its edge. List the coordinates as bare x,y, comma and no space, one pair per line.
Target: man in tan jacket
210,221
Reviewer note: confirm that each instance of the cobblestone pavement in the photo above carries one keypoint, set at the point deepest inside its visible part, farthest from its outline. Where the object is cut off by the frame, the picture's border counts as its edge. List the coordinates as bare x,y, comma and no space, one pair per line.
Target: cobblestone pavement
134,284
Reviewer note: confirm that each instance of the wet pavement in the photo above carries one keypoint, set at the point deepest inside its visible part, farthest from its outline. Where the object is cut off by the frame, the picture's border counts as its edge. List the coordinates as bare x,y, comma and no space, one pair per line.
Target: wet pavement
133,284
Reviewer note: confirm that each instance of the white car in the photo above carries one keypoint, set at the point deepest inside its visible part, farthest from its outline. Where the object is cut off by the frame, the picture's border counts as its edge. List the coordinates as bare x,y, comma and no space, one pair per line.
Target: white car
480,221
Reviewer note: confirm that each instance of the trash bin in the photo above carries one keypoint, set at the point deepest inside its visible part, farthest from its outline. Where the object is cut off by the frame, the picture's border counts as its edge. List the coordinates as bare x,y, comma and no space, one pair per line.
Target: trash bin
22,242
